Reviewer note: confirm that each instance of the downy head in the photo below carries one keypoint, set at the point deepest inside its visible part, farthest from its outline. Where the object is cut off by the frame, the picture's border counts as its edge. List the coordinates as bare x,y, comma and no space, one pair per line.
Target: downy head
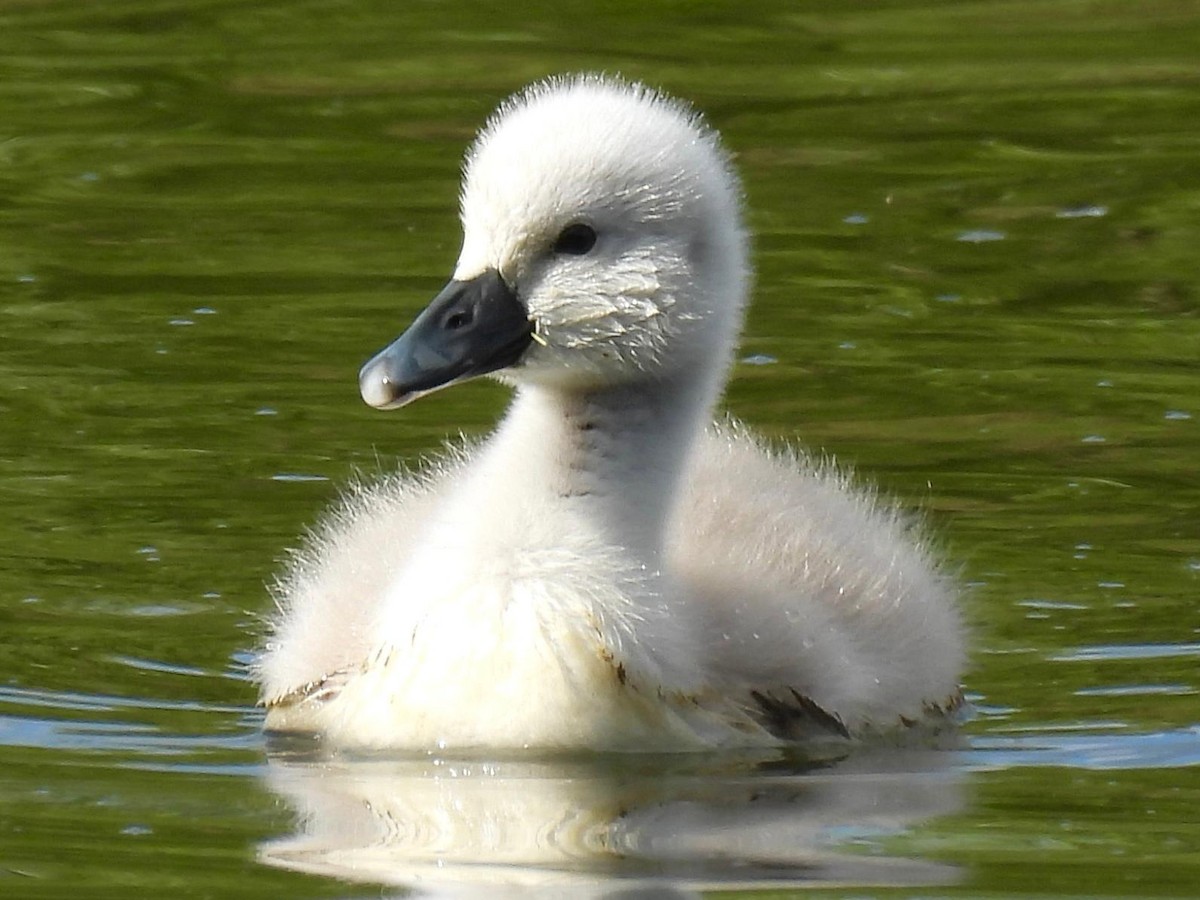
602,245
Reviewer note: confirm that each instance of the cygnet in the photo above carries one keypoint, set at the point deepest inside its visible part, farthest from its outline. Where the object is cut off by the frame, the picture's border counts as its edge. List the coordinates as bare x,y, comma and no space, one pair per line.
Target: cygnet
609,570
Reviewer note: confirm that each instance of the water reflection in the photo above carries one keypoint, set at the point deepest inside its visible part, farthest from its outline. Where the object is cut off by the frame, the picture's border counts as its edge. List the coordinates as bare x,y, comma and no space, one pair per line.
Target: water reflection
611,828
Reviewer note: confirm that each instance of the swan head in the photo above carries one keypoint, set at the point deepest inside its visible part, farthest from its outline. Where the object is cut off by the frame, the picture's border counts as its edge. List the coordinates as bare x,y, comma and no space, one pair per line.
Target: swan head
602,245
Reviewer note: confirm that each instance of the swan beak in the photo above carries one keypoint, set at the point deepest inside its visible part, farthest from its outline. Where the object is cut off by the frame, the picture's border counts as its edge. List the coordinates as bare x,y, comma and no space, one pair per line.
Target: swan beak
471,328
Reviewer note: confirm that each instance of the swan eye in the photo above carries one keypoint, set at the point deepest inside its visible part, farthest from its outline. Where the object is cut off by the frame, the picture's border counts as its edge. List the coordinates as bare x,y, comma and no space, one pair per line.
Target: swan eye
576,240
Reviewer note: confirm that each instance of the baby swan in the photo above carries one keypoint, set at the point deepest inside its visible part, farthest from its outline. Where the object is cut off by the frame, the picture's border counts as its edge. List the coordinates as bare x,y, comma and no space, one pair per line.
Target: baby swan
608,570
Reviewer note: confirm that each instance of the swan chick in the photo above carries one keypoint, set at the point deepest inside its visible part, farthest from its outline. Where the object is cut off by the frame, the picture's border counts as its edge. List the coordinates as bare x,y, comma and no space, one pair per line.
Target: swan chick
609,569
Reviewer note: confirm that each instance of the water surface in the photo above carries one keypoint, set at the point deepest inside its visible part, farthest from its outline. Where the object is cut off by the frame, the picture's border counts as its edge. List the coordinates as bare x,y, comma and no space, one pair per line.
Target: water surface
975,233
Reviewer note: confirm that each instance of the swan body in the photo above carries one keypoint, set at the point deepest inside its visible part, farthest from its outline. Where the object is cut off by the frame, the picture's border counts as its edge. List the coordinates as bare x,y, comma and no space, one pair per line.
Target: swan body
609,570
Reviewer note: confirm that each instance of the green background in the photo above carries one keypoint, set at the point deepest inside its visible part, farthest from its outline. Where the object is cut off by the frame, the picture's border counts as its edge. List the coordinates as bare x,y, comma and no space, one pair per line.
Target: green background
975,231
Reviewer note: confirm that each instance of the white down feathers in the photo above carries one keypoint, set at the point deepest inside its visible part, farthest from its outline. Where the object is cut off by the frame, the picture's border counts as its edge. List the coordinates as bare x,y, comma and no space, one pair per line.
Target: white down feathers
609,570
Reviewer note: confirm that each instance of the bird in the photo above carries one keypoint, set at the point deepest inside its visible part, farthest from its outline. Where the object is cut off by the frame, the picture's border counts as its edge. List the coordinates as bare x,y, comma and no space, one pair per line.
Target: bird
617,567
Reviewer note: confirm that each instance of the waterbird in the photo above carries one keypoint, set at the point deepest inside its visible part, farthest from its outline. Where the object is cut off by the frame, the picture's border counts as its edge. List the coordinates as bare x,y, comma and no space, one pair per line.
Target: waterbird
610,569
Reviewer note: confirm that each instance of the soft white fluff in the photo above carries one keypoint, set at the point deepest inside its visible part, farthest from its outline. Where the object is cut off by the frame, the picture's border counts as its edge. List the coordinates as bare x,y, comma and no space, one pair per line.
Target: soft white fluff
608,570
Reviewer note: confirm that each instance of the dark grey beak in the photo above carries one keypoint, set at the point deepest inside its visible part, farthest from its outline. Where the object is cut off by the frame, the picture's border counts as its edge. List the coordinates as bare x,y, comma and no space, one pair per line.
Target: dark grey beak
471,328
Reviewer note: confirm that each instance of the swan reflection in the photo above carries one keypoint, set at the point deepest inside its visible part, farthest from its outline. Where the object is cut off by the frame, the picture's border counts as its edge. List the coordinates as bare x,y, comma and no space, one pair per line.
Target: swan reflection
641,827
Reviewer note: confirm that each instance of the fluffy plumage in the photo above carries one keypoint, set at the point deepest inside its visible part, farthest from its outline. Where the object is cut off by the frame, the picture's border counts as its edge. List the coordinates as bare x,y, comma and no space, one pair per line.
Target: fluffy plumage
608,570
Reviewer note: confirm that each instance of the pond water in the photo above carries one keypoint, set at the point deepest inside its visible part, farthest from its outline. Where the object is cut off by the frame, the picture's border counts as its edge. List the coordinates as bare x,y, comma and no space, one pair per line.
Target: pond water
976,230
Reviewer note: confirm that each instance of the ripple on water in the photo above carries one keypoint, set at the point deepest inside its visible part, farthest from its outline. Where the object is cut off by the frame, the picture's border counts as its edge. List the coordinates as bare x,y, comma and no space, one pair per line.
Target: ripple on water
1102,652
1093,750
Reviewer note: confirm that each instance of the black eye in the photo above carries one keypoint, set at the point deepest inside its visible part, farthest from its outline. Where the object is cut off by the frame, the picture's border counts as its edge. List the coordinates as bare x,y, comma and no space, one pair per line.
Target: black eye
576,239
457,320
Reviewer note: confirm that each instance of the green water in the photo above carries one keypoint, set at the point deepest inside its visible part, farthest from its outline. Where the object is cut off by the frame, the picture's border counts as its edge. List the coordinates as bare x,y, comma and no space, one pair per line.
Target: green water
976,237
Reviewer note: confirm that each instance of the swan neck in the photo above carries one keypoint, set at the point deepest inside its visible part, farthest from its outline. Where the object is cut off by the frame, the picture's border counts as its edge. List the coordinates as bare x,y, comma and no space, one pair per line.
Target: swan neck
616,454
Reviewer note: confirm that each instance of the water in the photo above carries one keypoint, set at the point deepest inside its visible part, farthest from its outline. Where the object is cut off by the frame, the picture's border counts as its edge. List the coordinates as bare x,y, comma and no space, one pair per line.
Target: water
975,234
